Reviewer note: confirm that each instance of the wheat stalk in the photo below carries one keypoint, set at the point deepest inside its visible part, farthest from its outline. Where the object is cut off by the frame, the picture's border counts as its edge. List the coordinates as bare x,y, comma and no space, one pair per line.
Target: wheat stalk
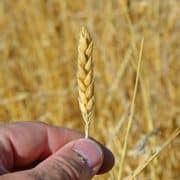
154,155
85,78
132,109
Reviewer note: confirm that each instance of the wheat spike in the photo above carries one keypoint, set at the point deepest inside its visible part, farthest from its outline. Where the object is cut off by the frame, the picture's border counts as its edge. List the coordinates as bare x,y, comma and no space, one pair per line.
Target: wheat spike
85,78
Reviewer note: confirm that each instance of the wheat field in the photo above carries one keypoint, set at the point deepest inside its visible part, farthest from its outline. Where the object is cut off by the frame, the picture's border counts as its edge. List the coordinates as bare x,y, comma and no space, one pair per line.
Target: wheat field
38,75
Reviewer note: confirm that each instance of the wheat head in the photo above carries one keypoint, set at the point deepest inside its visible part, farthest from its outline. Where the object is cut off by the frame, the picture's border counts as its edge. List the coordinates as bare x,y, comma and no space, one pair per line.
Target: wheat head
85,78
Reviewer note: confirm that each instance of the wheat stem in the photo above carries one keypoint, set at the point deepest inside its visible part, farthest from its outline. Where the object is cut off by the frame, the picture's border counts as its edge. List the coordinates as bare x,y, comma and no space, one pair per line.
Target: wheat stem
131,114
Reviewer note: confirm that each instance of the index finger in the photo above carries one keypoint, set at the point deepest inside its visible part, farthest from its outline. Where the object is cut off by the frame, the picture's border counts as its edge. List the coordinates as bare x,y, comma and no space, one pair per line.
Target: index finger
23,143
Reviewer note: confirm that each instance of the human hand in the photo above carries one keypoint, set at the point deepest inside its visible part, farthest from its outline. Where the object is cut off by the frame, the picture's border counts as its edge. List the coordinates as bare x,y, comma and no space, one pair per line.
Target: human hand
37,151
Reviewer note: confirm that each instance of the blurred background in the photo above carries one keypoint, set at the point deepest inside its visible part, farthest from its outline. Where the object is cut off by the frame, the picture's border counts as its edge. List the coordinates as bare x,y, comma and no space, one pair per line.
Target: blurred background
38,63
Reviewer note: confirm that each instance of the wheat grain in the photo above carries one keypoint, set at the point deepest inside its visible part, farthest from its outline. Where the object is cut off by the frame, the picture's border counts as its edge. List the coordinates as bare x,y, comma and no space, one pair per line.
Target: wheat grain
85,78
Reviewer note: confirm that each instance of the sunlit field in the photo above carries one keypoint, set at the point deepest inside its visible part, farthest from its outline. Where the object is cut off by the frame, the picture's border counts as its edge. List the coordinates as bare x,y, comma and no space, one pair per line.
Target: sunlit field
38,67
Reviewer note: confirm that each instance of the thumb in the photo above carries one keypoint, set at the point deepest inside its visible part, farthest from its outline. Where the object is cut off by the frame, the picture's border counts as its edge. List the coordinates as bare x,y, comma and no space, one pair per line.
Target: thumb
77,160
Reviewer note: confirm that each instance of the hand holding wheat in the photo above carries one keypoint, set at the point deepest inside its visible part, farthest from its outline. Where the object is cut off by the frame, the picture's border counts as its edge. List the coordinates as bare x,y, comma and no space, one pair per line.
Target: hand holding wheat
85,78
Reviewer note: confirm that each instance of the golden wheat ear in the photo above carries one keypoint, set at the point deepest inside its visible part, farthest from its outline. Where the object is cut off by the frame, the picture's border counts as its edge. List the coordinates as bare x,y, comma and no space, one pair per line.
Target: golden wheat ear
85,78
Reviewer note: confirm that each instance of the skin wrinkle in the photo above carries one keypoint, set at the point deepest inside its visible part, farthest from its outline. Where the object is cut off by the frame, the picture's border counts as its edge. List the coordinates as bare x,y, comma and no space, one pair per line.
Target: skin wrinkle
67,168
56,172
6,148
61,169
48,150
55,175
48,140
12,152
14,147
34,175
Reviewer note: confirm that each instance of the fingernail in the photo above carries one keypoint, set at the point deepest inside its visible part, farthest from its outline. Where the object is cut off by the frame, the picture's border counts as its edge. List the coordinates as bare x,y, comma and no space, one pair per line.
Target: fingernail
91,152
